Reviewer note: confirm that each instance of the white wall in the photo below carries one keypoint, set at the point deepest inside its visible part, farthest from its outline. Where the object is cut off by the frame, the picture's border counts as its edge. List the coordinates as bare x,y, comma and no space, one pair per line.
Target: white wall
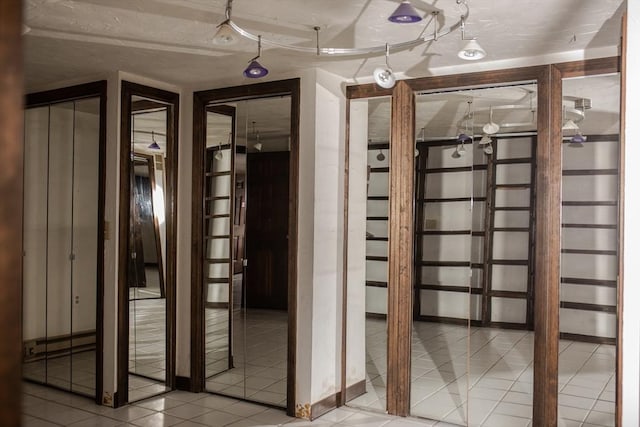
356,289
631,245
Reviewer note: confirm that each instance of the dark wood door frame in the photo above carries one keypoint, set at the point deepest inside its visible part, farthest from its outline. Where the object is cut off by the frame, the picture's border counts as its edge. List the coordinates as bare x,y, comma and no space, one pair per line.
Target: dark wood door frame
11,155
74,93
548,212
171,101
200,101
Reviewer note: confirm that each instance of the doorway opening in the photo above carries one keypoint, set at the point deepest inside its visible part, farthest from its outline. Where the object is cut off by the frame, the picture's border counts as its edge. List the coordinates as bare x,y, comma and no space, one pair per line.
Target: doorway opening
147,243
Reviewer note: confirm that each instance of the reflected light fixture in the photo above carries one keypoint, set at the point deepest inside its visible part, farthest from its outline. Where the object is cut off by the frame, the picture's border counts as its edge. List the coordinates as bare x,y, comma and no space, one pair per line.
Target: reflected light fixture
381,156
154,145
258,144
486,139
405,14
255,70
383,76
219,155
471,51
577,140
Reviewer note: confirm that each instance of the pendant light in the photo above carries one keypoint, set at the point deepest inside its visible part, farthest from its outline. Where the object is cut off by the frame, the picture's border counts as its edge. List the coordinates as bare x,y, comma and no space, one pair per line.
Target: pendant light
384,75
255,70
471,51
154,145
405,14
381,156
258,144
464,136
219,155
225,35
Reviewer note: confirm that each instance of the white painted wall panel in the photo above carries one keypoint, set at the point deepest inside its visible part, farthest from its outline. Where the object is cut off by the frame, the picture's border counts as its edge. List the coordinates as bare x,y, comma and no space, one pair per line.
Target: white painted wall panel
588,322
508,310
509,278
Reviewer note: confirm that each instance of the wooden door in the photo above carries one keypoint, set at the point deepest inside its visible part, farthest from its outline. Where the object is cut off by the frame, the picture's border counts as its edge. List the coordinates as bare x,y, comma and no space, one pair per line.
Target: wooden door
267,223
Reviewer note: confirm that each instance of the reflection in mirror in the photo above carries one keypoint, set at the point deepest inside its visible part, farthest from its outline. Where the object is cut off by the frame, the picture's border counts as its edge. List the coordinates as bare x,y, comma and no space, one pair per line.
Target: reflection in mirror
60,270
246,248
473,268
589,262
147,249
368,242
443,244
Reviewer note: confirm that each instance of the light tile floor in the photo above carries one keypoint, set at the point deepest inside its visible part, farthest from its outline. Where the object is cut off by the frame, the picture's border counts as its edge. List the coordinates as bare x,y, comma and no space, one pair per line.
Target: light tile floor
498,367
46,407
259,370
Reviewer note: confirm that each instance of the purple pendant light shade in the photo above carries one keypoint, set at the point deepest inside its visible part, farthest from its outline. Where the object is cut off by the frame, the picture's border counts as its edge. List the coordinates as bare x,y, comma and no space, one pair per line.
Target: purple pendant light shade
577,140
154,145
255,70
463,137
405,14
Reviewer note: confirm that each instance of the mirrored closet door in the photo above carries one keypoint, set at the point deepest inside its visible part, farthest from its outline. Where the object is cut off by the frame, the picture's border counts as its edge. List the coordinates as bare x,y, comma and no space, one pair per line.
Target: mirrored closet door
245,248
589,262
62,267
147,254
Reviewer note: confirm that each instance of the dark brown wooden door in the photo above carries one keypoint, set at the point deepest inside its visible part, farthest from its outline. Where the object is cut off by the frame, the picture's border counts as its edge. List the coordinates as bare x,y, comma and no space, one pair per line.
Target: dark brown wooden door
267,225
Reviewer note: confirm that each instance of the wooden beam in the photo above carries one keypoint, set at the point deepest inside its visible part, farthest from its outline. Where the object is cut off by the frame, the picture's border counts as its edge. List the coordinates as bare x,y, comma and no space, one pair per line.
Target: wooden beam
547,252
400,249
12,143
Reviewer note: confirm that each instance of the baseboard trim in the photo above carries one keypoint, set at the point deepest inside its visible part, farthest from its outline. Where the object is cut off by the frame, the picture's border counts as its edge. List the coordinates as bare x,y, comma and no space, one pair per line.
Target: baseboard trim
325,405
216,305
355,390
183,383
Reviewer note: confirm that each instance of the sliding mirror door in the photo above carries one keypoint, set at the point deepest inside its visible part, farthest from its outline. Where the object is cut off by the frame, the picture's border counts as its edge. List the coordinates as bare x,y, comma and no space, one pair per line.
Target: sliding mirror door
589,263
444,180
62,267
148,167
245,241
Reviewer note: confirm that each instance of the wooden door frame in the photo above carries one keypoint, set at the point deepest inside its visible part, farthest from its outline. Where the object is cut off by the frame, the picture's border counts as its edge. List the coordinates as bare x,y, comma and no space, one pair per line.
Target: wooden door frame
548,212
201,99
96,89
172,101
11,184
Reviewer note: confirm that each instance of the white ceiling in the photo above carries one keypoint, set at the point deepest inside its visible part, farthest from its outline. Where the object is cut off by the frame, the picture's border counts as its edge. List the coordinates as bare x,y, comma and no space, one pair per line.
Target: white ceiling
170,40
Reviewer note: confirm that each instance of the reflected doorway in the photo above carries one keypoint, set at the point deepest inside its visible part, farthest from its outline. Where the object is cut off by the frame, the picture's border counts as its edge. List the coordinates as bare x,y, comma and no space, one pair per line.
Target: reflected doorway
246,223
147,264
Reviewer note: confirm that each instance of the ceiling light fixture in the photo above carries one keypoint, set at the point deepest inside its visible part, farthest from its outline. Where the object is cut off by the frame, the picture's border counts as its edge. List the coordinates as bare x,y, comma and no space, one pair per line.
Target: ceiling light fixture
218,155
405,14
225,34
384,76
255,70
258,144
154,145
471,51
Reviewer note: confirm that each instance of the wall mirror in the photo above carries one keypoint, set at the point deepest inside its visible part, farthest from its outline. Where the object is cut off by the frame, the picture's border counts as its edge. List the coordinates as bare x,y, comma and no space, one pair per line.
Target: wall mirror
366,363
246,263
63,211
589,263
495,292
149,151
245,161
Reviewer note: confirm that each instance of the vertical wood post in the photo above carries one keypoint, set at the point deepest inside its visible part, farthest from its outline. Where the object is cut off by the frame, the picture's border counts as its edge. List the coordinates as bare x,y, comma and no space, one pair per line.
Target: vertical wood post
547,252
401,202
11,160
